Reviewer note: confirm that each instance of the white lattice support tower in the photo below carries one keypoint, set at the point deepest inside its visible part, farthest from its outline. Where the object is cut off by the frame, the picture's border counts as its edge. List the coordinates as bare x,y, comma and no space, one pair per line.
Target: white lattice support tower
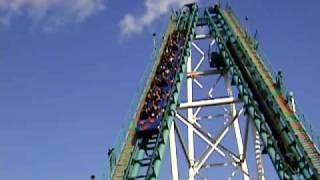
194,128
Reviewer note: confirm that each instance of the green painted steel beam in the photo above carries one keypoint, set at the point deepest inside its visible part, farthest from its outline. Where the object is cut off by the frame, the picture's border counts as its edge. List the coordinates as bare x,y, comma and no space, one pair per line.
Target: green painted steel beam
252,109
303,161
154,171
187,23
131,138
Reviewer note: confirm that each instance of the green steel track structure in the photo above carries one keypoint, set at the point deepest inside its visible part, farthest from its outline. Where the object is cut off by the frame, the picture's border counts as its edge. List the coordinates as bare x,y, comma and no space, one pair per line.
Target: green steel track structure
155,145
125,150
295,146
131,163
291,148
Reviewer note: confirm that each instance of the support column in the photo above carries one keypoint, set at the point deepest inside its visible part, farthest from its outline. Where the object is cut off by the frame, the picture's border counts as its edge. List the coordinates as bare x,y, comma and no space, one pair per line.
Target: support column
191,120
237,131
173,154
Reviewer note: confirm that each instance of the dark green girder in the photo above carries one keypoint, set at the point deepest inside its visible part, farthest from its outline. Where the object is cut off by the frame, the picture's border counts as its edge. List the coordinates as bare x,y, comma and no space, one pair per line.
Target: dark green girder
252,109
222,32
250,85
187,23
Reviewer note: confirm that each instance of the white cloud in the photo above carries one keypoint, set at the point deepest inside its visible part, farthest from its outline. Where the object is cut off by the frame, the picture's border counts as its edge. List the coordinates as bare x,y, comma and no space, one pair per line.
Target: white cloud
131,24
49,13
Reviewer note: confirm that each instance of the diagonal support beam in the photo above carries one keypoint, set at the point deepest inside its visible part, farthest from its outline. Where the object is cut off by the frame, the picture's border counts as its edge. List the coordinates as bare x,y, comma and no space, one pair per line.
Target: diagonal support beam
216,141
208,139
183,145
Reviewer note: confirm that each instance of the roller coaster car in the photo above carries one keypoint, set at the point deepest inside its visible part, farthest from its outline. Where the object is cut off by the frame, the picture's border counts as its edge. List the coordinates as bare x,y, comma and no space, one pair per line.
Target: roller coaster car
148,126
216,60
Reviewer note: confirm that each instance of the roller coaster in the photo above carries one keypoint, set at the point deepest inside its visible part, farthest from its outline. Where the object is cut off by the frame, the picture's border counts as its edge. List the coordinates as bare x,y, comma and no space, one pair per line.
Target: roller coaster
252,91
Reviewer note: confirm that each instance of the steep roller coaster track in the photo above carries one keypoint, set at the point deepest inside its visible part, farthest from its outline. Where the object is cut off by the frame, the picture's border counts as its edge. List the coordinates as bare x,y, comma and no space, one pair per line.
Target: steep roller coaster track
289,145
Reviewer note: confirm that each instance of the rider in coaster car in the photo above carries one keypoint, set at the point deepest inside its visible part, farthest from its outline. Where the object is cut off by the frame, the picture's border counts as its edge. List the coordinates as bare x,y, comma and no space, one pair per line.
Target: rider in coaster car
153,113
158,79
144,113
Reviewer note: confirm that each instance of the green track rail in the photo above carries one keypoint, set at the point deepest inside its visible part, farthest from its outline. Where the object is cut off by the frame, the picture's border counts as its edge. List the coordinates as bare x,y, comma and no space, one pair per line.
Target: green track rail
132,163
252,109
287,142
294,145
131,137
148,154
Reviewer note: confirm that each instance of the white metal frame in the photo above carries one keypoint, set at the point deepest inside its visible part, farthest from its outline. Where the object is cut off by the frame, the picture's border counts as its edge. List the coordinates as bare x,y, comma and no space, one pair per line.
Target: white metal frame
194,128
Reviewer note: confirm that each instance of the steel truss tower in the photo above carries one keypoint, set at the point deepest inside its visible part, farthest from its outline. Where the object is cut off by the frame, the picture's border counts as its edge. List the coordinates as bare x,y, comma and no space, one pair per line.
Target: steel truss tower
229,120
232,98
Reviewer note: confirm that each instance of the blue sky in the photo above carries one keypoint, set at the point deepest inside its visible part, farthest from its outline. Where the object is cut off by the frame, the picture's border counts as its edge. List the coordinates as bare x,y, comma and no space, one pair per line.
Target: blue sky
69,69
